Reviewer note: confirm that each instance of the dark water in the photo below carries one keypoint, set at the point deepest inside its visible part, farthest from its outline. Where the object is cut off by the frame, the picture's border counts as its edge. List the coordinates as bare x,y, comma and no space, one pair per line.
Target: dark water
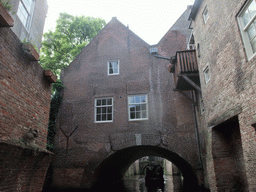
129,184
137,184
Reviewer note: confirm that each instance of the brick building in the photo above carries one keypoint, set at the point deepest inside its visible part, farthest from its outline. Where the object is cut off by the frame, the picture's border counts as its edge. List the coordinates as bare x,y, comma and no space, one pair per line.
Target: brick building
25,95
119,105
29,18
224,37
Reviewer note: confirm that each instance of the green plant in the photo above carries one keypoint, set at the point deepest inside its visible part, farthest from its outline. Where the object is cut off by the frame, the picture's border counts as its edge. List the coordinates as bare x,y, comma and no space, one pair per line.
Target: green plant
6,4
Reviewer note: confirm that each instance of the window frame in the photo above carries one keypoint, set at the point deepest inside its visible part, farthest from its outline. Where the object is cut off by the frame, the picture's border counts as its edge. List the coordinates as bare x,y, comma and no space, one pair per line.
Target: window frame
118,64
207,76
129,114
27,22
243,30
95,109
205,14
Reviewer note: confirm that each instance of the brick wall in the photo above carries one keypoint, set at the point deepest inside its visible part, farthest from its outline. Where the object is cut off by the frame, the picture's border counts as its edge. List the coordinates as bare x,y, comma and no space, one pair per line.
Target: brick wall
25,96
170,115
231,89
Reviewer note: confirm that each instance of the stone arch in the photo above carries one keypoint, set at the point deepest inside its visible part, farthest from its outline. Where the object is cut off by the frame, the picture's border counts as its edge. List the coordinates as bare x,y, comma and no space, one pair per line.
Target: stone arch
113,168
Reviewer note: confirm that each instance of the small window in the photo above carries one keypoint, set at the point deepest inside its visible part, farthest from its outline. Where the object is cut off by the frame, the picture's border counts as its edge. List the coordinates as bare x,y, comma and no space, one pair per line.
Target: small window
205,14
104,110
207,74
247,24
138,107
113,67
24,12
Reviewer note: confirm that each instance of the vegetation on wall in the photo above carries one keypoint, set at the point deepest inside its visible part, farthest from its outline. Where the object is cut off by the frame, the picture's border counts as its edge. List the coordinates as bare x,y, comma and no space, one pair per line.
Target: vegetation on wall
6,4
59,48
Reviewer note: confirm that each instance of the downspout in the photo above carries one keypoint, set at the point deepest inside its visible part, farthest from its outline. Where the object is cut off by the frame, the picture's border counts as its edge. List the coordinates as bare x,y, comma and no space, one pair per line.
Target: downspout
197,137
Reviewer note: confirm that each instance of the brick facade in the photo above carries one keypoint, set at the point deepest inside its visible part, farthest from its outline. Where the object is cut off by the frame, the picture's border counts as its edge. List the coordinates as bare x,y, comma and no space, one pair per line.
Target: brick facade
24,112
81,145
229,97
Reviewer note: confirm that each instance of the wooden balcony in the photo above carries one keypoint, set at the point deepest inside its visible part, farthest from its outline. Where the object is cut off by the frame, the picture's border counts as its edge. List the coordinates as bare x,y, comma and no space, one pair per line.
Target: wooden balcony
185,69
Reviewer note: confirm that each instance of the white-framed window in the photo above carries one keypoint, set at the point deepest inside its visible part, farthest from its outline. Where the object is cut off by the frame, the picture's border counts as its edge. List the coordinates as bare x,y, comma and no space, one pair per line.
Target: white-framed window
113,67
24,12
103,110
138,107
206,74
205,14
247,23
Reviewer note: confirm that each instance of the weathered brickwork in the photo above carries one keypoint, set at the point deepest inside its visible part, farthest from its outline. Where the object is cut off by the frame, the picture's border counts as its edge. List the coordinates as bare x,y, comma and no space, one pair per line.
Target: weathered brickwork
229,94
22,169
25,96
81,144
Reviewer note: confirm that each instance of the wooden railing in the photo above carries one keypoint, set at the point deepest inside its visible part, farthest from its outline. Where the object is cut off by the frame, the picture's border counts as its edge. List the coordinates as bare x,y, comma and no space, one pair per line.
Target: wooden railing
186,62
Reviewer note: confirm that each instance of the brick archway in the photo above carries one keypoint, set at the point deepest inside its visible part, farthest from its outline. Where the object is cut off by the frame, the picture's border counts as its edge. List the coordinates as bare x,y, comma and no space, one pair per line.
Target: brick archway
113,168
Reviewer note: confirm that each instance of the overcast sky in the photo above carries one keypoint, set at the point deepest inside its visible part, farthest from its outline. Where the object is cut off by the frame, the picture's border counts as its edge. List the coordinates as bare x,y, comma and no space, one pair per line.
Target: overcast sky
149,19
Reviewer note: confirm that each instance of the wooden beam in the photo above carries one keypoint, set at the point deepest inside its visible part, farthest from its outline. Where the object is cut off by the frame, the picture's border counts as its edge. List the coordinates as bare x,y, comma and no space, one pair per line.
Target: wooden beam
191,82
186,96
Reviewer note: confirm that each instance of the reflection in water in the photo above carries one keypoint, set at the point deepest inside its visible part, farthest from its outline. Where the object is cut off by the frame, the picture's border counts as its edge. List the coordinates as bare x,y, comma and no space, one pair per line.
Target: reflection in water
137,184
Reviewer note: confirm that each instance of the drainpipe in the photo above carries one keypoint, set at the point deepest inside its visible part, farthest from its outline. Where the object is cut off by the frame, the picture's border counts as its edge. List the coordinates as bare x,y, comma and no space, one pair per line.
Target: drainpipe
197,136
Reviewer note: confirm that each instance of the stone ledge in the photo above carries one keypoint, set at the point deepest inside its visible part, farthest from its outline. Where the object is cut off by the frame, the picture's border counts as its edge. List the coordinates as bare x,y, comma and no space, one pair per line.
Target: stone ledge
50,76
225,116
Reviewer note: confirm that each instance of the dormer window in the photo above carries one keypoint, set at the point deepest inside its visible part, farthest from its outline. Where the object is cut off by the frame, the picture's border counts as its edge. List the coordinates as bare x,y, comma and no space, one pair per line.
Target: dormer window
113,67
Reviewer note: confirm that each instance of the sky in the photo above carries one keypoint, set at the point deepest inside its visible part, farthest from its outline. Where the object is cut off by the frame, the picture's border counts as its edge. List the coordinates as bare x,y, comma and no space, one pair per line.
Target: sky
149,19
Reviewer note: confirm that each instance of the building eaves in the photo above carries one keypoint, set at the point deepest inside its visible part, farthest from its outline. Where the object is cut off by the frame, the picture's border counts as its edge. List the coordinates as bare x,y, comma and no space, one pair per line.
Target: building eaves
195,9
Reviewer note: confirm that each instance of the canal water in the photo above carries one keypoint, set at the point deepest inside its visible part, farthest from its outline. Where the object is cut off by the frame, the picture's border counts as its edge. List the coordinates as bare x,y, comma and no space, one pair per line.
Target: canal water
137,184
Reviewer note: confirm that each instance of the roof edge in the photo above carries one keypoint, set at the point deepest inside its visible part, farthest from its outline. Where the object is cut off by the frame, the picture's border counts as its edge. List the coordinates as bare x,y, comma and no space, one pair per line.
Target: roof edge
195,9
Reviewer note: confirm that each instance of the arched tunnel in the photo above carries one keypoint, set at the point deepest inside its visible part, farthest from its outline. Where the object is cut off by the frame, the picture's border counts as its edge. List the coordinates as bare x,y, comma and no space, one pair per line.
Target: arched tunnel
112,169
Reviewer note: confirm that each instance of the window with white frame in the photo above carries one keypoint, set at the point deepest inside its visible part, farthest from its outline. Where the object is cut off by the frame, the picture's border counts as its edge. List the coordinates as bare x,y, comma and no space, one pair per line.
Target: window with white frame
24,12
113,67
138,107
206,74
104,110
247,24
205,14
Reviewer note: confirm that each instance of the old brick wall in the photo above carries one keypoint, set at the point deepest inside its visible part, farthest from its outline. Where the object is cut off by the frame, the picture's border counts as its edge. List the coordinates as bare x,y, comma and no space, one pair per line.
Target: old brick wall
231,89
25,96
81,144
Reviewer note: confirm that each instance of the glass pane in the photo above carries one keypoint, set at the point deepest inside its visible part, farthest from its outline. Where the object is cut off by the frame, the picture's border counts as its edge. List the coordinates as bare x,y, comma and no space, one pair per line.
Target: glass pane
144,107
99,102
253,44
115,64
98,110
246,17
144,114
110,68
132,115
252,9
132,108
137,107
104,117
137,115
109,116
143,99
104,102
137,99
109,101
98,118
131,99
115,70
251,31
109,109
28,4
104,109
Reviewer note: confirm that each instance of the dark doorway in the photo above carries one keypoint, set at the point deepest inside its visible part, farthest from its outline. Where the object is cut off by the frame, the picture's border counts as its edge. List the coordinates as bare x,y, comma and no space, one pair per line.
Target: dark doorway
228,156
